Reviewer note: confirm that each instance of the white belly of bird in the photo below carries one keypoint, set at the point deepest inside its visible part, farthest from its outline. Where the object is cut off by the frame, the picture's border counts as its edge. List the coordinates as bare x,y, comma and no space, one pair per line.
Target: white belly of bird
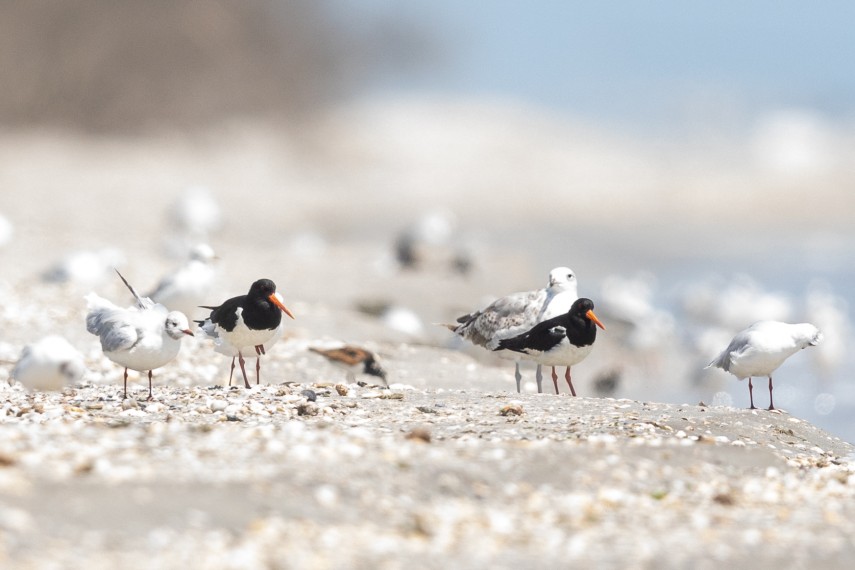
244,339
43,376
565,354
152,351
760,363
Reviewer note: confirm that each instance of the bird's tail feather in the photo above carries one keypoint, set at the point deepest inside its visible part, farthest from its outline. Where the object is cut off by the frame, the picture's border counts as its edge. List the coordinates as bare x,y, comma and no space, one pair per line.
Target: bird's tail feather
133,291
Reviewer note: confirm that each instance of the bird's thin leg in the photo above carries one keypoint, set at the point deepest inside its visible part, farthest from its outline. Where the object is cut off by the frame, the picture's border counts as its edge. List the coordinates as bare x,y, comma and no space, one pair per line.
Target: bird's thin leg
538,376
150,396
517,375
125,397
751,393
569,382
259,349
771,405
242,363
232,371
555,379
258,369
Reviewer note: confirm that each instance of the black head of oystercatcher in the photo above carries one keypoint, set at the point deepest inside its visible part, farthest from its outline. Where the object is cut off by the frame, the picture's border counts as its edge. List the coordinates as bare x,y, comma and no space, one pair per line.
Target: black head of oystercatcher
564,340
246,322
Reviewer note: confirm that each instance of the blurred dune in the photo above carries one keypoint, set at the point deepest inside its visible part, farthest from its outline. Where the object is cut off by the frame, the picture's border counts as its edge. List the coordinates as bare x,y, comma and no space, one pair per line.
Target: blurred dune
119,66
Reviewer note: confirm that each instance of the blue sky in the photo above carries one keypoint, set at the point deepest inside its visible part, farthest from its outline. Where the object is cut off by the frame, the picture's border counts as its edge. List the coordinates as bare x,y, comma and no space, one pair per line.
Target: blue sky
633,62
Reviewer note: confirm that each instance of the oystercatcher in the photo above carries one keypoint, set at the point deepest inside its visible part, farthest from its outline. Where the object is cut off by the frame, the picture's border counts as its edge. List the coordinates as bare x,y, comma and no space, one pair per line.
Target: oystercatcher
564,340
516,313
761,348
141,338
246,322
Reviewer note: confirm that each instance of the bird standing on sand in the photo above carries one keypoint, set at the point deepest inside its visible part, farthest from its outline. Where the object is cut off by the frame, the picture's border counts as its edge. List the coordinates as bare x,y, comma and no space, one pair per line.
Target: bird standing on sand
564,340
49,365
183,289
354,360
517,313
761,348
141,338
247,322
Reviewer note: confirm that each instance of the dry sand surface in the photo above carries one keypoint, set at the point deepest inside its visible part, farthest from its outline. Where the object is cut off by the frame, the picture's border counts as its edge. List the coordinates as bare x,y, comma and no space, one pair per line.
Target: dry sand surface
446,469
213,477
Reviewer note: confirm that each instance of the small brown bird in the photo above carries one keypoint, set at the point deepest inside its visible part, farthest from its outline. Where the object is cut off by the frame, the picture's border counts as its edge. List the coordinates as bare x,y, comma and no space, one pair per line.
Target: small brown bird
354,360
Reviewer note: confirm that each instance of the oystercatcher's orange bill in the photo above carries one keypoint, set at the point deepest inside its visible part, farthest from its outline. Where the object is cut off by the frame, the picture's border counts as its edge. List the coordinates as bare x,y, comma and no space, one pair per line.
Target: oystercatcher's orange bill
590,314
275,300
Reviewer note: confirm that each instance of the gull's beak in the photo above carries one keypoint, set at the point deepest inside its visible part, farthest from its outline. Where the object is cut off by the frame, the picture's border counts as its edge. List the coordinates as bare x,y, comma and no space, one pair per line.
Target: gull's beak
590,314
275,300
188,332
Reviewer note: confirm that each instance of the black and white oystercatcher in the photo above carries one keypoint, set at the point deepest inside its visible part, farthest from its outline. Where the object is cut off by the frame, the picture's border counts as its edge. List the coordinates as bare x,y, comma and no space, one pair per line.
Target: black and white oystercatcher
516,313
761,348
246,322
564,340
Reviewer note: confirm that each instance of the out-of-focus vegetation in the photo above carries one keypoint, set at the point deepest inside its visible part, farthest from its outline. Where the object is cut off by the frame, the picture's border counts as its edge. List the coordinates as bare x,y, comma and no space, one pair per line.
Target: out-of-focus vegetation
125,65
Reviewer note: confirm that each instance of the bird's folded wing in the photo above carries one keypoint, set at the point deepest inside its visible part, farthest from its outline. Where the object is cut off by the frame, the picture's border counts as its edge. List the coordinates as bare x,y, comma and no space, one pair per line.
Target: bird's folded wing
557,332
510,315
120,336
116,328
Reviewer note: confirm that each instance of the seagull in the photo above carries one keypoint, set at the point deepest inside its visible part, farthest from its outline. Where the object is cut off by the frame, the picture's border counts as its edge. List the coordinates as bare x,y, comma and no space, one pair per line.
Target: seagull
185,288
196,212
86,268
564,340
247,321
7,230
49,365
141,338
761,348
355,360
517,313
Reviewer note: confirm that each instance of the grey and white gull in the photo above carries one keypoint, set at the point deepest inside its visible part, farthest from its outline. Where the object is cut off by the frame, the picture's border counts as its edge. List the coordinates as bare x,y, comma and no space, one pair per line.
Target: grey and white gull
144,337
761,348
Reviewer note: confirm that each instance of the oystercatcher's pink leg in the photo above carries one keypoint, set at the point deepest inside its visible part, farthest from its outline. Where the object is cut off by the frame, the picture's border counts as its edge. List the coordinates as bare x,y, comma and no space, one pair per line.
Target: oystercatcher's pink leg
569,382
242,363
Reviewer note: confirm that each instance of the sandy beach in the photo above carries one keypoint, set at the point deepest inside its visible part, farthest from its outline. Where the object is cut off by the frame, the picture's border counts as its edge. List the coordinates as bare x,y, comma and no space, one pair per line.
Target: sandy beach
365,477
449,467
391,167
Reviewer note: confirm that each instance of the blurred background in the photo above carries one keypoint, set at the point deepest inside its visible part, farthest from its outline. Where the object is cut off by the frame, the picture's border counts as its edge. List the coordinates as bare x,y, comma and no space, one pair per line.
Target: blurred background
408,162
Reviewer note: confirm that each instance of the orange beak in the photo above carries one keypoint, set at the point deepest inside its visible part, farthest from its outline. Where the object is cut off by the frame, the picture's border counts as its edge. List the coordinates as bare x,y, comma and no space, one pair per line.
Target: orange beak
275,300
590,314
188,332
